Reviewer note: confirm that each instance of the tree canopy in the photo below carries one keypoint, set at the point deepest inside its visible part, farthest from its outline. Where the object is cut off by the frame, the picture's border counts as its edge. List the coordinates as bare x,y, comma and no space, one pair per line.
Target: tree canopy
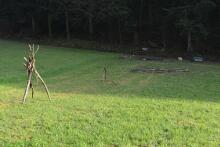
187,25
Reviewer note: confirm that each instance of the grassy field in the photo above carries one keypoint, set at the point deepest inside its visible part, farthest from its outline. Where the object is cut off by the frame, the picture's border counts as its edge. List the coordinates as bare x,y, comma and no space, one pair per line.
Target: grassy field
170,109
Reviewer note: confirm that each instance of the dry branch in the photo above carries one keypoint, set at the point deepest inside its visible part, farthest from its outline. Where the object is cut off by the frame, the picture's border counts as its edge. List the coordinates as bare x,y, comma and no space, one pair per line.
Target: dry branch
31,68
44,84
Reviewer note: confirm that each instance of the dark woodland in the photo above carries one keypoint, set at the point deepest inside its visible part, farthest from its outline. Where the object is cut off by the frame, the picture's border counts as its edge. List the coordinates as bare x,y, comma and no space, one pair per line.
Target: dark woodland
170,26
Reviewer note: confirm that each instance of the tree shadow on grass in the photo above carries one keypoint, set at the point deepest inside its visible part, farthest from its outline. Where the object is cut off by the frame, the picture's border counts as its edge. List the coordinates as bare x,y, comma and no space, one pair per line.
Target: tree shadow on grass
133,87
82,73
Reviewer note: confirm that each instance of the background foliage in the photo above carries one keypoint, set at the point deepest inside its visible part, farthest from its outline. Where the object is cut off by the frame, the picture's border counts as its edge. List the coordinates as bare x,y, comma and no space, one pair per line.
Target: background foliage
186,25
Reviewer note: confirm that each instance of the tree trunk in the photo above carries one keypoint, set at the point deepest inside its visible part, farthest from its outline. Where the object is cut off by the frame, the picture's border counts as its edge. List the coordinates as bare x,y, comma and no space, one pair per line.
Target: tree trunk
189,41
163,38
140,17
136,38
150,15
119,31
33,25
109,30
164,43
49,26
67,25
91,28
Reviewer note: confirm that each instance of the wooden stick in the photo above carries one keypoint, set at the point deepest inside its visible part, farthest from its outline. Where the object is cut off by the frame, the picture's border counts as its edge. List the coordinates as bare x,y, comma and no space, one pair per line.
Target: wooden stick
37,78
32,92
25,65
44,84
27,88
32,89
25,59
30,47
38,47
105,74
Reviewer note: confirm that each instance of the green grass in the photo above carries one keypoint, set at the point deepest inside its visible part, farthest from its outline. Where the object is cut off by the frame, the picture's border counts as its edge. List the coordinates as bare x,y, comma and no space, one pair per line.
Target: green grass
172,109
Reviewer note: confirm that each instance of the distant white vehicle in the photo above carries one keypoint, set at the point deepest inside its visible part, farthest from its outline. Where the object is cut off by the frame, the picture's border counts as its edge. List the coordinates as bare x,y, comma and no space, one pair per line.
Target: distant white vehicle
145,49
198,59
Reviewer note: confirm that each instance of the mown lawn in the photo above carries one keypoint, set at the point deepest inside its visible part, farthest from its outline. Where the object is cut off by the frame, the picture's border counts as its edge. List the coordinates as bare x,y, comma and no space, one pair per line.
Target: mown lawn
171,109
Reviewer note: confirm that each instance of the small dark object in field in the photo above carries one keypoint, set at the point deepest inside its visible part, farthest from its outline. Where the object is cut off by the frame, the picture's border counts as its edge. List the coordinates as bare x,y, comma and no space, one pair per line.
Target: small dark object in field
31,68
105,74
158,70
105,79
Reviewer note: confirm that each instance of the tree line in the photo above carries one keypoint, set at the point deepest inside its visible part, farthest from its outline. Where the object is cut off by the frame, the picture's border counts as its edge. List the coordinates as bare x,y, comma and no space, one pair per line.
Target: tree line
187,25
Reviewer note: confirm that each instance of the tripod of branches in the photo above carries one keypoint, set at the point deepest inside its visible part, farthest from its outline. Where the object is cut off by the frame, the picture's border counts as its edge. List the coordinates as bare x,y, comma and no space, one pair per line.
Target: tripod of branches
31,70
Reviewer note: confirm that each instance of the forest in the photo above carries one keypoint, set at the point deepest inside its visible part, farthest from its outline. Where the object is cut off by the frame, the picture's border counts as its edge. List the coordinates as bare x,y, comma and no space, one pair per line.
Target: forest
171,25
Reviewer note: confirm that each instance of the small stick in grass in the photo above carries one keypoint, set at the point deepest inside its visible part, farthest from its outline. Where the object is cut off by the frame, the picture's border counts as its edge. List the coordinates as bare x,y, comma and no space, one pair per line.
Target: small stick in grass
105,74
105,77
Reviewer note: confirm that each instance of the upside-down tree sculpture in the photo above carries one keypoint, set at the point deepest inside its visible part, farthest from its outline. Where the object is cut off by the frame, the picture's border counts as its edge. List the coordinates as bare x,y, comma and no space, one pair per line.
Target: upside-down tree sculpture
31,70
